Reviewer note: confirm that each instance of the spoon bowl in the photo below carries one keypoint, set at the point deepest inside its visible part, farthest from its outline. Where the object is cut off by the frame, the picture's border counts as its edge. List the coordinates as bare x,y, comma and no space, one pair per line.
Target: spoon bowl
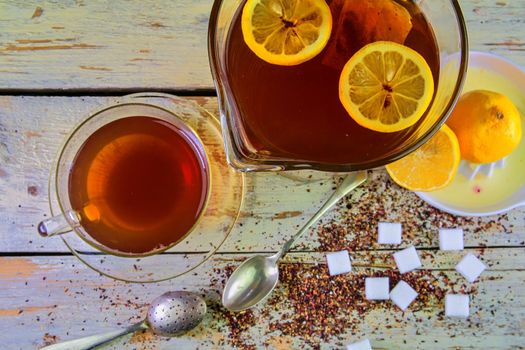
250,283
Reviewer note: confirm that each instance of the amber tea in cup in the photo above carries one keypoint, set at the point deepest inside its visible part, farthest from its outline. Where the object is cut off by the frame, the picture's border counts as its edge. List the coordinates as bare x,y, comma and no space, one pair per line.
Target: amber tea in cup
139,184
135,185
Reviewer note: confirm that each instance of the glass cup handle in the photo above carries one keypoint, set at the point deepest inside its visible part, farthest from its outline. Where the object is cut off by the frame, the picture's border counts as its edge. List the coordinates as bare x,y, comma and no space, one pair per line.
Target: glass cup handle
59,224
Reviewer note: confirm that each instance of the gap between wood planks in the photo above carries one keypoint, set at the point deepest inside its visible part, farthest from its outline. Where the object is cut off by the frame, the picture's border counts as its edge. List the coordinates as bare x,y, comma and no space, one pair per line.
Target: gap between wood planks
205,92
36,254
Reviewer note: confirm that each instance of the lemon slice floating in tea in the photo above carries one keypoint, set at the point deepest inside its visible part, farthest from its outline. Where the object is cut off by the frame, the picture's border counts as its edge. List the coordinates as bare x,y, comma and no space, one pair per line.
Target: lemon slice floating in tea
286,32
432,166
386,86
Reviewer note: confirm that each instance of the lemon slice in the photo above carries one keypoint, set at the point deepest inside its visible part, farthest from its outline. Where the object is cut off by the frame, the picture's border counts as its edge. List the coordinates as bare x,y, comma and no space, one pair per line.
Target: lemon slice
286,32
430,167
386,86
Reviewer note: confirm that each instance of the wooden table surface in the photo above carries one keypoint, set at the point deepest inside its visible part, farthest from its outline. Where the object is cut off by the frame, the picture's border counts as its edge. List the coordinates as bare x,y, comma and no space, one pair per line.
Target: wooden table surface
59,60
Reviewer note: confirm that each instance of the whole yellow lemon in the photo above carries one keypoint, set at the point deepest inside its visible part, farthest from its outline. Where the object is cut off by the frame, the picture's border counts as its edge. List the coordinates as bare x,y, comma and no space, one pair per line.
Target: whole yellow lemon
487,125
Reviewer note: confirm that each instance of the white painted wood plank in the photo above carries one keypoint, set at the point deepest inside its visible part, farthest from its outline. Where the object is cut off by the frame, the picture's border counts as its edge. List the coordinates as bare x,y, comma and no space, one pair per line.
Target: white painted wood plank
99,44
162,44
32,129
497,27
54,298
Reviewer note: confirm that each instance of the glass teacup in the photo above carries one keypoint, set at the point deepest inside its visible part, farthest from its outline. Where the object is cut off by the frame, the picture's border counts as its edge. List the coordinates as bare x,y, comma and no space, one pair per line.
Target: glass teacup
131,180
221,208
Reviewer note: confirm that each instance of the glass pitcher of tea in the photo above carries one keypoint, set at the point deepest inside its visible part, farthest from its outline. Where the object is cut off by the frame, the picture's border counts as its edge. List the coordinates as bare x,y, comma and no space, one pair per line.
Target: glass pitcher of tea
281,67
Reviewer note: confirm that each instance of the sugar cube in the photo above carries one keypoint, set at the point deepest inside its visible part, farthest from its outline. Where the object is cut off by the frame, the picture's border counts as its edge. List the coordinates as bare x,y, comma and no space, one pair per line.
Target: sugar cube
338,262
403,295
470,267
377,288
360,345
389,233
407,259
457,305
451,239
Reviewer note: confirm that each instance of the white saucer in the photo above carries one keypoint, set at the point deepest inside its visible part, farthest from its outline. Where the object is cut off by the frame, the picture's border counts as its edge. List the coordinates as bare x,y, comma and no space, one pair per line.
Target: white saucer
482,195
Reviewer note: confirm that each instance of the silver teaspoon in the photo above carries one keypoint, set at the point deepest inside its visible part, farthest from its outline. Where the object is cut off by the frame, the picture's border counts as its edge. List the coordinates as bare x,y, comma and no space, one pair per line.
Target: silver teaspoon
171,314
257,276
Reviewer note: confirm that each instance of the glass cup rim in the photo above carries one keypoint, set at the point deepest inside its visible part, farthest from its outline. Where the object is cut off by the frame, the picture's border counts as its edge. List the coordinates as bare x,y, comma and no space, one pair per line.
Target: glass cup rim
54,185
251,164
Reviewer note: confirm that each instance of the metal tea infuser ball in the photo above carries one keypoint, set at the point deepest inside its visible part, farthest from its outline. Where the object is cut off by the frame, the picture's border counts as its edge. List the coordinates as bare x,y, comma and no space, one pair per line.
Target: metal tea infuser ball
171,314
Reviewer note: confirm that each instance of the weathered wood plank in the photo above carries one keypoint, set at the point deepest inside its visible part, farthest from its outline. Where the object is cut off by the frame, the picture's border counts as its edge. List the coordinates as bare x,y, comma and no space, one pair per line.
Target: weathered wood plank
162,45
32,129
45,299
93,44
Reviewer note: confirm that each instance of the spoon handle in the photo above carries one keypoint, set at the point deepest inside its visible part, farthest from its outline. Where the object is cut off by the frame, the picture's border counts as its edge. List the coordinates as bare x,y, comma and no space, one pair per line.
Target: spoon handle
350,182
89,342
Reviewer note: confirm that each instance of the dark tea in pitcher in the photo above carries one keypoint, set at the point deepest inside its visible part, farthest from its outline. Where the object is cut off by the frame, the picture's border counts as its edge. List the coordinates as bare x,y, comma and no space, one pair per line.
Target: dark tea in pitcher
294,111
139,184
